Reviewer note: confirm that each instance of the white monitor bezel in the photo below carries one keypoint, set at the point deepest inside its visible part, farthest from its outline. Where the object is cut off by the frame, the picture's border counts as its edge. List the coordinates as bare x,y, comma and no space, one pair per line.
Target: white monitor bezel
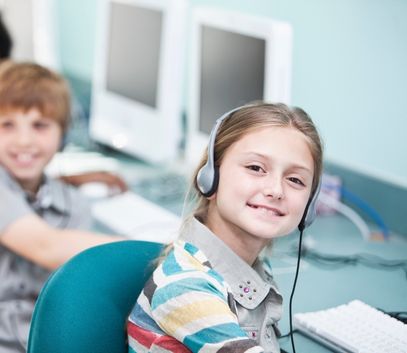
133,127
277,81
33,26
46,34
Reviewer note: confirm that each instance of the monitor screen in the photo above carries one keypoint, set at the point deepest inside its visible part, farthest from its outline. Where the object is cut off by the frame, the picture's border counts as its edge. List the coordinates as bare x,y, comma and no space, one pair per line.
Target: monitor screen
133,60
137,81
231,77
235,59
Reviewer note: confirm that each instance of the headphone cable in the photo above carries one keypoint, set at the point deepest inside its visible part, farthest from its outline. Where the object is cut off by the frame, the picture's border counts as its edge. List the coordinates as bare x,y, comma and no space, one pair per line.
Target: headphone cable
293,289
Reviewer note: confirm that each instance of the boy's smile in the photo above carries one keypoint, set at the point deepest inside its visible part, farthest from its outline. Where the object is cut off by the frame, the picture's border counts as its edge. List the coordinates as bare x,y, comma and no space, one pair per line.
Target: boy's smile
265,183
27,143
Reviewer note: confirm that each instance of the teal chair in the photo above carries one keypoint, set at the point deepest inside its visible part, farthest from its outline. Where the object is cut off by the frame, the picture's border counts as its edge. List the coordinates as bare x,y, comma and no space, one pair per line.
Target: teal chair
84,304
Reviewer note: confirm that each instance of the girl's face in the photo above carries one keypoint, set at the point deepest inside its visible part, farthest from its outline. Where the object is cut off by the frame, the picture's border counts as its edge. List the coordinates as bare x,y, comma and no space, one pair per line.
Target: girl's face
27,143
265,181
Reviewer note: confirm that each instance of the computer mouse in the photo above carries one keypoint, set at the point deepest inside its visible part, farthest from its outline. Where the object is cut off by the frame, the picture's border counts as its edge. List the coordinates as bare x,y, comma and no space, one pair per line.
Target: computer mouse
95,190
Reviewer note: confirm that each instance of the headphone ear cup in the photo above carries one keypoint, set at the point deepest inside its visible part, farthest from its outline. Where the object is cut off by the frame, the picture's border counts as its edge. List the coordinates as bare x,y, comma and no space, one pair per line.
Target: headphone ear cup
310,212
207,180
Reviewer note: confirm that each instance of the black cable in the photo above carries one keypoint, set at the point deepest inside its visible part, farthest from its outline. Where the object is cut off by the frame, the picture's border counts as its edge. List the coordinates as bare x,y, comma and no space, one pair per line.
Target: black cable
401,316
368,260
293,289
329,260
288,334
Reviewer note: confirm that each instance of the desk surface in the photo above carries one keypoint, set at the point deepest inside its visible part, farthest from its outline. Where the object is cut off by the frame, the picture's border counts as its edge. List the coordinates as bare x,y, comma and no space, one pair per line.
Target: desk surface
318,287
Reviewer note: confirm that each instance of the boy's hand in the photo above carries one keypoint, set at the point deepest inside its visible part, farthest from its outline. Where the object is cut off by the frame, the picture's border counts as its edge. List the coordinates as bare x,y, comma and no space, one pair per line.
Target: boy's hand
112,180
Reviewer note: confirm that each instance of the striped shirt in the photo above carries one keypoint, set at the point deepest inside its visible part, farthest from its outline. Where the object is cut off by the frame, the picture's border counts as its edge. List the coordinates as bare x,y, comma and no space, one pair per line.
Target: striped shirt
204,298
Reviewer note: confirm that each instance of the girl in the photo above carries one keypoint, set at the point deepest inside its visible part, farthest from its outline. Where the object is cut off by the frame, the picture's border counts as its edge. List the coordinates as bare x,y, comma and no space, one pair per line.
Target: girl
213,293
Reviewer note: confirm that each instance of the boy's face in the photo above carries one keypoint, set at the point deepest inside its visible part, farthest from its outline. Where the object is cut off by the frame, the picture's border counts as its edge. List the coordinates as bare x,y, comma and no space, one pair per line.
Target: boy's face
28,141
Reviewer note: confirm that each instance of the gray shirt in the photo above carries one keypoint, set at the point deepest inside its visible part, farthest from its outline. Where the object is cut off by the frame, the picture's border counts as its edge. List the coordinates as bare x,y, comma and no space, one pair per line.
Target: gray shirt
60,206
256,296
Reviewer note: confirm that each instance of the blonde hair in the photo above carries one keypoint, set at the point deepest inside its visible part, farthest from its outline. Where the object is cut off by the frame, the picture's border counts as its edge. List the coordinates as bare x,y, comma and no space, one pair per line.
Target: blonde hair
247,119
24,86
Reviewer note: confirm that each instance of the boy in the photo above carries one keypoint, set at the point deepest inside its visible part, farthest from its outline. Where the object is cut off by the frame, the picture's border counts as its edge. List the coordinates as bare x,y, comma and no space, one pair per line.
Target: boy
42,221
112,180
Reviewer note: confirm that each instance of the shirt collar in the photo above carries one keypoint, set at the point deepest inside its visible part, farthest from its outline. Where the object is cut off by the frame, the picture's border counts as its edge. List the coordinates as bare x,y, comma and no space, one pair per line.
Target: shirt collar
50,194
249,285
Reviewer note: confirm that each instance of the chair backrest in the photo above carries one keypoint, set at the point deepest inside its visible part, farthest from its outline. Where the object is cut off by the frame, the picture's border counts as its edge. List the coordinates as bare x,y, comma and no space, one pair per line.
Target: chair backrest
84,304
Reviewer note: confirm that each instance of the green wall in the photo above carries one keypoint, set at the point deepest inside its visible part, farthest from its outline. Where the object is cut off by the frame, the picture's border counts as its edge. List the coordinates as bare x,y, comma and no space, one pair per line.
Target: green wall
349,71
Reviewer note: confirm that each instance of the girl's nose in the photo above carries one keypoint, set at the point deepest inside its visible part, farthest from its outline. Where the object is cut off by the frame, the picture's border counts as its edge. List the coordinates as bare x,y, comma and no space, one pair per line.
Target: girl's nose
273,188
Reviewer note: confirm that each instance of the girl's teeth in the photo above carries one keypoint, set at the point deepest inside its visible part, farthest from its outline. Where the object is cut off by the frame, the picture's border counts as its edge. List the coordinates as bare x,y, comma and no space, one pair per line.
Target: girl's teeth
266,210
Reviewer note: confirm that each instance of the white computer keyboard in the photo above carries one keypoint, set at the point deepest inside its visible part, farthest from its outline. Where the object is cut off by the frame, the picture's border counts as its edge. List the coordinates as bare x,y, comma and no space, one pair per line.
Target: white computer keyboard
354,327
133,216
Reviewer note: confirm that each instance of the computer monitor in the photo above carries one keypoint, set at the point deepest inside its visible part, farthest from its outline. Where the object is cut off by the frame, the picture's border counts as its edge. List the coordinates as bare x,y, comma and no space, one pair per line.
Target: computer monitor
45,34
136,94
34,31
236,59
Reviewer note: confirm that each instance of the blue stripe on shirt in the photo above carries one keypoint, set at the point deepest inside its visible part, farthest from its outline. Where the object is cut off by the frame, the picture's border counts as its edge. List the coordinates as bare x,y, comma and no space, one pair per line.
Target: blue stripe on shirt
213,334
142,319
170,265
191,248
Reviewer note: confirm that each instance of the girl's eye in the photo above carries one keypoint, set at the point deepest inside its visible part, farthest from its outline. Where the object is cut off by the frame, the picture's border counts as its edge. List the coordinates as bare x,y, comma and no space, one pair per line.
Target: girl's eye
296,181
256,168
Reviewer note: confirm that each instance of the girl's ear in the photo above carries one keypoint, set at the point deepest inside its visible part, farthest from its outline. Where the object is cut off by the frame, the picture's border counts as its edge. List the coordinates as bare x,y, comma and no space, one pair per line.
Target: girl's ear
212,197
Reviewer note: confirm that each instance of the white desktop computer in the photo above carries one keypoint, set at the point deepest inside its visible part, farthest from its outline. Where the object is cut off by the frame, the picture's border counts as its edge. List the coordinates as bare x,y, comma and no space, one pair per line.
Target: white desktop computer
33,28
137,82
235,59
